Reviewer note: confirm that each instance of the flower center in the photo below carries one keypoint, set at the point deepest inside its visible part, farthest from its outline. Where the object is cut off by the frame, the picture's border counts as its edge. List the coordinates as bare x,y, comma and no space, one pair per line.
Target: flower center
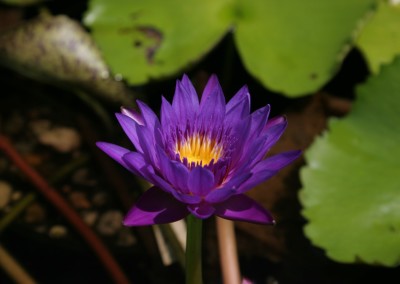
199,149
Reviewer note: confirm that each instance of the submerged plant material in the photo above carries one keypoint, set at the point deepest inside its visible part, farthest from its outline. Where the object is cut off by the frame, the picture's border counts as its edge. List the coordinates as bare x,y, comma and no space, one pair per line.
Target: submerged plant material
201,157
59,51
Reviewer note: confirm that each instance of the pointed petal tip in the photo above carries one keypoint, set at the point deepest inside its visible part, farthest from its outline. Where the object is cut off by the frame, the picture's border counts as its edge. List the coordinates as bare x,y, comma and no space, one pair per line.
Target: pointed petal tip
213,83
114,151
100,144
129,222
185,77
293,155
213,80
105,146
185,101
275,121
124,116
213,77
212,102
242,208
280,160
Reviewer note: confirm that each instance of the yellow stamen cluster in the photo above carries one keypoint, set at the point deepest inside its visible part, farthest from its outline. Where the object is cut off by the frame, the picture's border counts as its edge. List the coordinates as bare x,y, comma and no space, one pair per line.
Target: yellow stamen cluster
199,149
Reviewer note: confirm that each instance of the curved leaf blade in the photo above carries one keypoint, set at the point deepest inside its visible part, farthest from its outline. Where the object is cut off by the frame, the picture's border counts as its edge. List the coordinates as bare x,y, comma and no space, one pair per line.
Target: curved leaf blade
351,192
380,40
154,39
293,51
281,43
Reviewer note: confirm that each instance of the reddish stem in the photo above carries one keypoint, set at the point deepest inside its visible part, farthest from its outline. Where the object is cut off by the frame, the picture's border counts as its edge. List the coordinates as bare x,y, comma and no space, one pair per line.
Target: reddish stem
51,194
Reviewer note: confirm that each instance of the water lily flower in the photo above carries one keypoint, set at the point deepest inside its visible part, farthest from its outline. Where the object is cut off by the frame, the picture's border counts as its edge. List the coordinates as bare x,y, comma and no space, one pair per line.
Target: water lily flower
201,156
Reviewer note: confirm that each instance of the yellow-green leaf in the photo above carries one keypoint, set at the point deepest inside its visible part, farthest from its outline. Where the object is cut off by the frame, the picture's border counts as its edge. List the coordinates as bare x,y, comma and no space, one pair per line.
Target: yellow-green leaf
380,40
351,189
291,46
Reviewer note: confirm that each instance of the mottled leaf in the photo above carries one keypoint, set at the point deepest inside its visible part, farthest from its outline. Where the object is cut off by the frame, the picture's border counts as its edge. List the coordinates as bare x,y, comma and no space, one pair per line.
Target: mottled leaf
153,39
291,46
351,189
380,40
58,50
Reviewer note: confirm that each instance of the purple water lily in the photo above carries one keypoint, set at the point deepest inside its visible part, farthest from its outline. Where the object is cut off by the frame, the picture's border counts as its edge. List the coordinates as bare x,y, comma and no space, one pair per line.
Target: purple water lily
201,157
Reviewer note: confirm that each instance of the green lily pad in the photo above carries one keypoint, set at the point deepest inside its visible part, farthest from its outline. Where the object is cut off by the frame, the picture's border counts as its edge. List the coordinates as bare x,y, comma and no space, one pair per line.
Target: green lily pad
380,40
154,39
281,43
292,50
351,189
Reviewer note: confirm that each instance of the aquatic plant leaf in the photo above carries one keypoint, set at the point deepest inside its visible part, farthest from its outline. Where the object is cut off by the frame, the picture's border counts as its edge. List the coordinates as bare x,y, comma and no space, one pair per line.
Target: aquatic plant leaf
293,50
284,46
154,39
351,192
58,50
380,40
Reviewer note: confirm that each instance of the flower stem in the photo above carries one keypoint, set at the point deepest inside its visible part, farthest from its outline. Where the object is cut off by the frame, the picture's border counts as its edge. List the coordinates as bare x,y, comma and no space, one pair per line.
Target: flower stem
193,250
228,251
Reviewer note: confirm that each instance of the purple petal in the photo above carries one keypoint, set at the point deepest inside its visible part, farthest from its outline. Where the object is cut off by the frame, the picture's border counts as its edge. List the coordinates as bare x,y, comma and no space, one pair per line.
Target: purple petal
187,198
256,179
252,152
211,87
168,116
185,102
163,184
242,208
242,97
274,121
188,86
219,170
227,190
202,210
155,207
151,121
278,161
176,173
268,168
240,130
274,131
133,114
258,121
136,163
130,128
220,195
146,141
149,117
114,151
200,181
238,108
255,150
212,104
